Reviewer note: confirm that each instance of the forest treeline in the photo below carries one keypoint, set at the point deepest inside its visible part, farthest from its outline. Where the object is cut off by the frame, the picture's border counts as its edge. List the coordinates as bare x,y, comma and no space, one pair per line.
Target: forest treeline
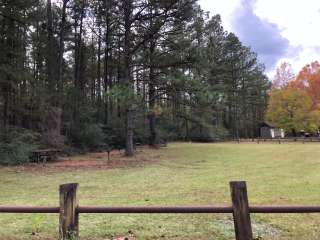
94,74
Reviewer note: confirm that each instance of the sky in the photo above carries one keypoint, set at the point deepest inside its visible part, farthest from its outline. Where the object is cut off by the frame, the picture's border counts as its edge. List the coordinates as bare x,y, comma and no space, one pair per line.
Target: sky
278,30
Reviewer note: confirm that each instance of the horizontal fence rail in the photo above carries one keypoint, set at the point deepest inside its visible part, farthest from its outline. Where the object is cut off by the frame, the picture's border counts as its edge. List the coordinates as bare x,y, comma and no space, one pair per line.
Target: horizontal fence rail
284,209
157,209
69,210
161,209
279,140
29,209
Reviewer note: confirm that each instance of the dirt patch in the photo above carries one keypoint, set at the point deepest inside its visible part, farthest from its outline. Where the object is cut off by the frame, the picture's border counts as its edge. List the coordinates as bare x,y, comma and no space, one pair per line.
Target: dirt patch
260,230
93,161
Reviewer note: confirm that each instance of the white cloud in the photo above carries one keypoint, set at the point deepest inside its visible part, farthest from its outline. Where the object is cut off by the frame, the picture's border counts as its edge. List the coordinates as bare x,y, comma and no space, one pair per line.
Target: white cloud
224,8
297,20
260,34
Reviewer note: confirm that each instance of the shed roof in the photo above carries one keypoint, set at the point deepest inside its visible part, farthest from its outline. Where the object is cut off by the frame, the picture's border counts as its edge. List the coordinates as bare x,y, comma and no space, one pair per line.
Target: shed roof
266,124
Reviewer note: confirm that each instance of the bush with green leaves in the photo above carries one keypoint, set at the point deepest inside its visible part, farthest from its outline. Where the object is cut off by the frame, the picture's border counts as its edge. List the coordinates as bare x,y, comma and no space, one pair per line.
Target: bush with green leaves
208,133
16,145
88,136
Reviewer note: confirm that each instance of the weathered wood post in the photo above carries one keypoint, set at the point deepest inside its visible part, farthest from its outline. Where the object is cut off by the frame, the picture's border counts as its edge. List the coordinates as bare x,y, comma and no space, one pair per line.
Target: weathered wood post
69,220
241,214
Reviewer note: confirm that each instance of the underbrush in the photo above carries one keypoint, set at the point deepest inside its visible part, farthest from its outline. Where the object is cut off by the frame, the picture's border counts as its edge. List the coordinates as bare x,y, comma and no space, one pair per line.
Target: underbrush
16,145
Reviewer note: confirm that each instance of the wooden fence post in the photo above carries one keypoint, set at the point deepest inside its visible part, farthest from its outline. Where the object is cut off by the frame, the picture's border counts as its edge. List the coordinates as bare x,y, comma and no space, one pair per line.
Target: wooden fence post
241,214
69,220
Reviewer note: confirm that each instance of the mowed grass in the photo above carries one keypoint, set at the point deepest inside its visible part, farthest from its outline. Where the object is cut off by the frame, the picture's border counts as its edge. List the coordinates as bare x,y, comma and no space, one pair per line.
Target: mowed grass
186,174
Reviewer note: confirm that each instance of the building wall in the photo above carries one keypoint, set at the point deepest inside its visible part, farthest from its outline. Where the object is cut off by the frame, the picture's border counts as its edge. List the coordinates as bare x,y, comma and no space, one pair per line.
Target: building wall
265,132
272,132
278,133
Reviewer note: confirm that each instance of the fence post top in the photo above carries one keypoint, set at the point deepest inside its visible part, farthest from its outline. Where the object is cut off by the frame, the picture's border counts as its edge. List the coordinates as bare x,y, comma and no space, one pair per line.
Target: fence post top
238,183
68,186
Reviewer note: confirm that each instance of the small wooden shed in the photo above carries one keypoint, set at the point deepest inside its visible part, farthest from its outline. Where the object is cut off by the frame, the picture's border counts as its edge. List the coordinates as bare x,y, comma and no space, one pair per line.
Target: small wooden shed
269,131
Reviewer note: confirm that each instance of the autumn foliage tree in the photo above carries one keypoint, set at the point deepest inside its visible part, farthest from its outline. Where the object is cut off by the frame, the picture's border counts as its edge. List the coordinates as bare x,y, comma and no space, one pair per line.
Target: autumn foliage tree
284,74
308,80
294,103
289,109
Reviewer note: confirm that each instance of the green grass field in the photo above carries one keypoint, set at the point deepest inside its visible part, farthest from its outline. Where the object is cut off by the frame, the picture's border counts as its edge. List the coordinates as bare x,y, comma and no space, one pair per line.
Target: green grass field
184,174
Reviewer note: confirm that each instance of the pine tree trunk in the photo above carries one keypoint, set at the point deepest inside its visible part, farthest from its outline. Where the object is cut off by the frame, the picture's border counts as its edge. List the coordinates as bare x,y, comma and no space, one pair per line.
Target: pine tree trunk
61,51
129,133
77,73
99,70
152,115
152,83
127,76
93,74
50,52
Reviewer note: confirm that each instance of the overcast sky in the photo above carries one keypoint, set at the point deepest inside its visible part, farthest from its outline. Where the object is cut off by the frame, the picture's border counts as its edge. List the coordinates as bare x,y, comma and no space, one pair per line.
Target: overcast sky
278,30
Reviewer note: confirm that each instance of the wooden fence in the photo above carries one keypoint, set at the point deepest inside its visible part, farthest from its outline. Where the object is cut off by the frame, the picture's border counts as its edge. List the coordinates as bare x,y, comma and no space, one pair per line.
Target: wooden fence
280,140
69,210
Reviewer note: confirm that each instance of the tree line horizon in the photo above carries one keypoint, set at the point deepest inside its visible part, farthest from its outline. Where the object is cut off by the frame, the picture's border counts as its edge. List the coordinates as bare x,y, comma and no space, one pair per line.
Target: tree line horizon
90,74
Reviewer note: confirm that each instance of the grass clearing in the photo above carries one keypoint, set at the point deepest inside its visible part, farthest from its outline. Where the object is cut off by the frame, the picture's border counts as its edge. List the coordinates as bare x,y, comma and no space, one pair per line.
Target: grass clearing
182,174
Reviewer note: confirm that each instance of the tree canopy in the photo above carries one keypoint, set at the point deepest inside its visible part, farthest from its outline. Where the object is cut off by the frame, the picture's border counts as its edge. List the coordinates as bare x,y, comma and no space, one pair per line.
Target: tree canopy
105,73
294,104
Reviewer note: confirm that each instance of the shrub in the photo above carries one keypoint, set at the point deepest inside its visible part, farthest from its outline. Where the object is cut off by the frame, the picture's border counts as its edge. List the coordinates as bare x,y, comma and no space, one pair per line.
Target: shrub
114,135
88,137
208,133
16,145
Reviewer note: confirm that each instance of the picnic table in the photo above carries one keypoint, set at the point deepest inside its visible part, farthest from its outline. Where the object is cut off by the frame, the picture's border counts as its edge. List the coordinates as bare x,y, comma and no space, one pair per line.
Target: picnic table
44,155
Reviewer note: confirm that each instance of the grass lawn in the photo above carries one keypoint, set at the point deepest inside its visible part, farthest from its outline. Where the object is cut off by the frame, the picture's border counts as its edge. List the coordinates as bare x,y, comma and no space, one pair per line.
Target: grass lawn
181,174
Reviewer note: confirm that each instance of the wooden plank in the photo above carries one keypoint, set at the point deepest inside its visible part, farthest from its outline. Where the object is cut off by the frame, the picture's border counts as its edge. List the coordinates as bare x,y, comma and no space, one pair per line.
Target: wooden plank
69,218
46,150
44,154
241,214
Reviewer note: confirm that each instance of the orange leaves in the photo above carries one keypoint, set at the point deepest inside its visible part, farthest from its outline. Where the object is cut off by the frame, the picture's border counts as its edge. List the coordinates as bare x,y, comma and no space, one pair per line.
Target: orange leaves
289,109
308,79
295,102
